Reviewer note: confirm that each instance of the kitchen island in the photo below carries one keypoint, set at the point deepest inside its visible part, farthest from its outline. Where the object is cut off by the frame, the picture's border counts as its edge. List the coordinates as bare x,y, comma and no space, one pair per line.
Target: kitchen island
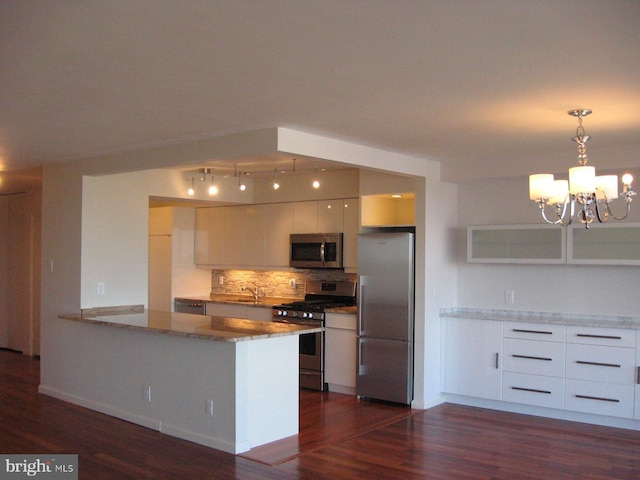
226,383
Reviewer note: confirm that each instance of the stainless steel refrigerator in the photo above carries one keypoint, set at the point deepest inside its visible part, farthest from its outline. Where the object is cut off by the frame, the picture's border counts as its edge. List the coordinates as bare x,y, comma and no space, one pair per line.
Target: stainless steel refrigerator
385,316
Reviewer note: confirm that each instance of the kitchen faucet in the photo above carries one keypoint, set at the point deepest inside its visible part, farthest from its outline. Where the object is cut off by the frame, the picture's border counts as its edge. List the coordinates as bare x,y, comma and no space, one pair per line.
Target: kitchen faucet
255,292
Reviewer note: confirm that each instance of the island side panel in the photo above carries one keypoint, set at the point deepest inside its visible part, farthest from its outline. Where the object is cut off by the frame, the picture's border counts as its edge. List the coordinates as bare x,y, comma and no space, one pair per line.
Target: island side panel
110,370
268,389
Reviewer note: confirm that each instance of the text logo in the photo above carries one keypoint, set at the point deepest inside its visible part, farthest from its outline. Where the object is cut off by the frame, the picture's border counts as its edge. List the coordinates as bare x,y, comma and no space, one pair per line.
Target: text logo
50,467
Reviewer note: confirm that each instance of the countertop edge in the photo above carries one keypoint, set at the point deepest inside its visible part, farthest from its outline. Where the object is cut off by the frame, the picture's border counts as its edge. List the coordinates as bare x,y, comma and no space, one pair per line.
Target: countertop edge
206,333
610,321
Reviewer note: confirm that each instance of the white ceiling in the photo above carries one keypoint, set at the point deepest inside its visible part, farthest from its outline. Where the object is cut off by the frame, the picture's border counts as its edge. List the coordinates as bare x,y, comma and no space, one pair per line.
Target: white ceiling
482,86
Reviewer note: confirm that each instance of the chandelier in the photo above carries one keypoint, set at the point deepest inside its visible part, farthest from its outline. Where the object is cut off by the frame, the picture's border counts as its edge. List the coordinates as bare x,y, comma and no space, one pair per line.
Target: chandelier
585,192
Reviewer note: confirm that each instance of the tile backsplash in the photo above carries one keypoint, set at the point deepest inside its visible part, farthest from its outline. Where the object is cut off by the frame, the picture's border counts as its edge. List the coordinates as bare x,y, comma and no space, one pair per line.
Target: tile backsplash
272,283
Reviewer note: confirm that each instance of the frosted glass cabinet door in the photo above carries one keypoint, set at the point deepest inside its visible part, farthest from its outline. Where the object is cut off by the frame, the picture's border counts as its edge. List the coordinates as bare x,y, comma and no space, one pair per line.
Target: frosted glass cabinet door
516,244
609,244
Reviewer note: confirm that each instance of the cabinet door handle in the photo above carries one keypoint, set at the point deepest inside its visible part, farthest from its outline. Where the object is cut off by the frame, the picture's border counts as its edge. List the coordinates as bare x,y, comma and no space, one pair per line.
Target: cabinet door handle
610,337
547,392
598,364
638,375
540,332
532,358
497,360
602,399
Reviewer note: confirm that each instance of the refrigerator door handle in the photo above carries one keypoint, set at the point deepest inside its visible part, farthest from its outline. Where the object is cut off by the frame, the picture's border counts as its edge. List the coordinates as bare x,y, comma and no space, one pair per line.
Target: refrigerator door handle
361,368
360,306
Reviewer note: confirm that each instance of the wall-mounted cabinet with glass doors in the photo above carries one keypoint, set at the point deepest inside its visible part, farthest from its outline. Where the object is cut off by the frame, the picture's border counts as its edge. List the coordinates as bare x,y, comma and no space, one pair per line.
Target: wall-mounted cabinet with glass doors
601,244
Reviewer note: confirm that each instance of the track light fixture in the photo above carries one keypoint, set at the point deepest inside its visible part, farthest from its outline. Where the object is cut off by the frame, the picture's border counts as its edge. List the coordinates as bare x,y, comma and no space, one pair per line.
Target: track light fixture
213,188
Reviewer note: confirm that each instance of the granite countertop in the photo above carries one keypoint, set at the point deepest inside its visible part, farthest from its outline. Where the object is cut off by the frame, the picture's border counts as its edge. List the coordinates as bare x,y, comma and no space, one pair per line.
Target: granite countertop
223,329
265,302
610,321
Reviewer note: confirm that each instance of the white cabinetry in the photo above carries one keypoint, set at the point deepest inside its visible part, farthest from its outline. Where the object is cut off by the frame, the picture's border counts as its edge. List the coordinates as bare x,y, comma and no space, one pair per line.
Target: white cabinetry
254,233
305,217
340,352
472,358
351,214
637,388
533,367
600,371
279,227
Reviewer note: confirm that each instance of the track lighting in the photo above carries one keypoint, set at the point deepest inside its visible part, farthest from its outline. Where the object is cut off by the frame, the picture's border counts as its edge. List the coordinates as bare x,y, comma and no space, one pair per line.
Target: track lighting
213,188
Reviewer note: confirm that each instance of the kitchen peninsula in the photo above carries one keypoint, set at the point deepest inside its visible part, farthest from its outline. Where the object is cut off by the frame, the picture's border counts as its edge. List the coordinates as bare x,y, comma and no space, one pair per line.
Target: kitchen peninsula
227,383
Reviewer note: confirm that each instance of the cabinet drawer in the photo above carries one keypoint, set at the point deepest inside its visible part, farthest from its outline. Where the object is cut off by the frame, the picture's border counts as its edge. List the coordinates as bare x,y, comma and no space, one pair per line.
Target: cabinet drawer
533,390
531,356
615,337
601,364
599,398
535,331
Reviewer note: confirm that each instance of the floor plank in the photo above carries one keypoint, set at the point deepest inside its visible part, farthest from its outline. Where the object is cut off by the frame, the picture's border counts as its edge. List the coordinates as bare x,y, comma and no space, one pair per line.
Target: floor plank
445,442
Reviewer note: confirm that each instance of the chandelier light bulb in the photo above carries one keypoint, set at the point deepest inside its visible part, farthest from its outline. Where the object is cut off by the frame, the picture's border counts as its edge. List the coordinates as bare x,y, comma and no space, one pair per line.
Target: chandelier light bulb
627,178
192,191
276,185
316,182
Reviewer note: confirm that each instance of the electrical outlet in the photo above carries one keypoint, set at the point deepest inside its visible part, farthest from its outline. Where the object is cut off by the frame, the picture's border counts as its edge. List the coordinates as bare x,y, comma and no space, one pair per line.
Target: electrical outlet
100,288
509,297
210,407
221,280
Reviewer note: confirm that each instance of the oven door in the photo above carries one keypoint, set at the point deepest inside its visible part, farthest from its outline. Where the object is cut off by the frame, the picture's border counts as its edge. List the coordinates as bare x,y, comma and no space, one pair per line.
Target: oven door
312,361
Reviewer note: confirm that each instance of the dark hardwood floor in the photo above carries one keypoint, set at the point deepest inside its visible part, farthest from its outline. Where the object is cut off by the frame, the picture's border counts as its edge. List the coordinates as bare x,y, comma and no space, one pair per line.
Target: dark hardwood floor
340,438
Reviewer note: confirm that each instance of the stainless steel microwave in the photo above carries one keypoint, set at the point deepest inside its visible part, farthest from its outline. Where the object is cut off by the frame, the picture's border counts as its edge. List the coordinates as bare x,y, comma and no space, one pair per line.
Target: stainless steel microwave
315,250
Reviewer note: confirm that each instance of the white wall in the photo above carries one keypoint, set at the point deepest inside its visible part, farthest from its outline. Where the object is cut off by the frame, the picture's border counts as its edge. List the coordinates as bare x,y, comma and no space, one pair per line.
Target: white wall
606,290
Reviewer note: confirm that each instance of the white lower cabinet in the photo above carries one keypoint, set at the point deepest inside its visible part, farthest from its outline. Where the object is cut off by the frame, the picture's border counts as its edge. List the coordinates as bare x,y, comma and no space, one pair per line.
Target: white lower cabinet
472,358
533,368
593,370
340,352
599,398
533,389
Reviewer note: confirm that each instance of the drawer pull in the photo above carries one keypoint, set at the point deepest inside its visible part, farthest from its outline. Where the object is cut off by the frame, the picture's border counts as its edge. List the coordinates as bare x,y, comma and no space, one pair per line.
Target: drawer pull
531,390
602,399
638,375
541,332
610,337
597,364
532,358
497,360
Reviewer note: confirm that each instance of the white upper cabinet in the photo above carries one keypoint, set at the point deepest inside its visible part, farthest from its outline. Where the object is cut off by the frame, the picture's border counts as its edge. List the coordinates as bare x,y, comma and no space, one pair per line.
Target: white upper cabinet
330,216
516,244
201,238
610,244
254,234
351,214
305,217
279,227
258,235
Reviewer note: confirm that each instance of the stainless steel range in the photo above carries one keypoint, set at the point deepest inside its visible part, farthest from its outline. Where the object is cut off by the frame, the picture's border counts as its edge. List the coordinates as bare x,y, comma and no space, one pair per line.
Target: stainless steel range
319,296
